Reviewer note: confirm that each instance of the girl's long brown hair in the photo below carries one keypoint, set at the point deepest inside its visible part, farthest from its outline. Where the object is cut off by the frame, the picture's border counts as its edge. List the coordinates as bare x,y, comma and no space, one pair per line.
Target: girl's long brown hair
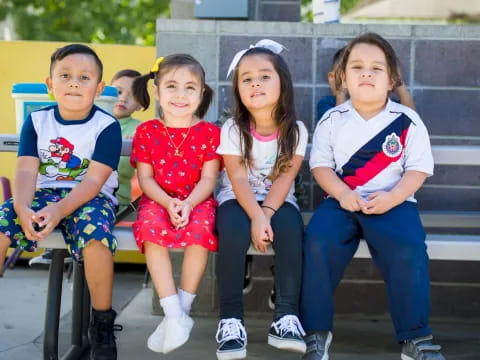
139,87
283,113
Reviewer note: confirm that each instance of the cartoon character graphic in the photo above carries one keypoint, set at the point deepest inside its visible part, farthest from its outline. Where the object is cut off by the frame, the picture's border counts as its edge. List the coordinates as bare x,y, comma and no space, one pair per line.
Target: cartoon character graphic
60,162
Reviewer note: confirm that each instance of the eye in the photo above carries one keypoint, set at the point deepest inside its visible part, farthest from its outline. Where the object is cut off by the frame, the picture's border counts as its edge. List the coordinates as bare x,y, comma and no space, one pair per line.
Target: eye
120,92
191,88
85,77
170,86
265,77
64,76
246,80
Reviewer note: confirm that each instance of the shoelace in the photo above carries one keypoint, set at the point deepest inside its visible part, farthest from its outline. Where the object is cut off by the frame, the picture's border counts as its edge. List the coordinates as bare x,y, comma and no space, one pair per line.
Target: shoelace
289,324
230,329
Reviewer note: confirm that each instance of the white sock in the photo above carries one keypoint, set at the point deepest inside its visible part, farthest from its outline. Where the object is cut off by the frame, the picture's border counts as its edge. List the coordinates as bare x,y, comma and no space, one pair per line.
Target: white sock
186,300
171,306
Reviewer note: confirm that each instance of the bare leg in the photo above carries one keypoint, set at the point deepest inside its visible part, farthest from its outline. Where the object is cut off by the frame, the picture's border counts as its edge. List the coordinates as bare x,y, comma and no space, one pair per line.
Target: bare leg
99,274
160,268
195,261
4,245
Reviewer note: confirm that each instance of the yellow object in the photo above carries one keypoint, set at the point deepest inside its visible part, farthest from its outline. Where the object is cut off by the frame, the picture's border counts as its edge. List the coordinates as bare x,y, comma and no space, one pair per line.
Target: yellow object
156,66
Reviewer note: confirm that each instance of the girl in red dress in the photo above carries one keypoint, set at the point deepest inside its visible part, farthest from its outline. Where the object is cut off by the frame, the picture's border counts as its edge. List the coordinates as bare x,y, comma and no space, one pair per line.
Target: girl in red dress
177,166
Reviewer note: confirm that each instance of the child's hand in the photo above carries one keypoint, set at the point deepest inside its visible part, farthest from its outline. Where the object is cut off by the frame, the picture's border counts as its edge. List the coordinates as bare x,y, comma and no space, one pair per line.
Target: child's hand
351,201
25,216
47,219
184,210
173,212
379,203
262,233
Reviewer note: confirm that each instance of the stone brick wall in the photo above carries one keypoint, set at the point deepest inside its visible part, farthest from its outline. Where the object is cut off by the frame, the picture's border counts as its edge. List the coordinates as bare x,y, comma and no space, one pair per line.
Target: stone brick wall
440,65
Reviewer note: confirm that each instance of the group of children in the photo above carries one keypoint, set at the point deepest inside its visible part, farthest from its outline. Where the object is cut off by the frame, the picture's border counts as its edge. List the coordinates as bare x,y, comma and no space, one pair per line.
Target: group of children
369,155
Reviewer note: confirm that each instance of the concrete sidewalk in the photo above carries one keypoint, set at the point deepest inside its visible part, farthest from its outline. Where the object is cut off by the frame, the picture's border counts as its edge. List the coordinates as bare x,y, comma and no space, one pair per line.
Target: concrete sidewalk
22,308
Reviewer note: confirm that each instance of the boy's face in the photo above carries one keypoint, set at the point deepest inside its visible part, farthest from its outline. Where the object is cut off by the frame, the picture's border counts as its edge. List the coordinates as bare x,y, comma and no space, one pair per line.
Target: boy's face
126,103
75,84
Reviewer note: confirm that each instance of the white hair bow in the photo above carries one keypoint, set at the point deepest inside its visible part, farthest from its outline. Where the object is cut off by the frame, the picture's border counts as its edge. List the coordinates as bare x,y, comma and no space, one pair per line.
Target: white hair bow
271,45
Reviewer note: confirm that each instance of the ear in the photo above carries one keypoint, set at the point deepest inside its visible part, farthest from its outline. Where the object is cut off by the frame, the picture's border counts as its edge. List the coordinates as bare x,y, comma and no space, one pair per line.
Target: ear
48,81
156,95
100,87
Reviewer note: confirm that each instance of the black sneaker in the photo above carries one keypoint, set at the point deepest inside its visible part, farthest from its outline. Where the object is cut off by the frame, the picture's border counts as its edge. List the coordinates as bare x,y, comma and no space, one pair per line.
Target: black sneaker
232,340
247,280
287,334
317,345
421,349
43,261
100,334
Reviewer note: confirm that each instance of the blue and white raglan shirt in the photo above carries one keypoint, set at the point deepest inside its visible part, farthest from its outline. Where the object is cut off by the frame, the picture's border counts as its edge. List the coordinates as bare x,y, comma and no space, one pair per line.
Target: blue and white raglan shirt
264,155
372,155
66,147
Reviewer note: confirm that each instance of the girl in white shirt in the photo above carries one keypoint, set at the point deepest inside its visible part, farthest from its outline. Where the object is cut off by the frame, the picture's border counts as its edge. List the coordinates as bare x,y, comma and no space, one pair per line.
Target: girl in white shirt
263,146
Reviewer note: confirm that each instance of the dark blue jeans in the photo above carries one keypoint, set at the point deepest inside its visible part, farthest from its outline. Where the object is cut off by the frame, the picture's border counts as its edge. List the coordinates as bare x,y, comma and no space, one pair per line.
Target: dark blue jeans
233,227
396,241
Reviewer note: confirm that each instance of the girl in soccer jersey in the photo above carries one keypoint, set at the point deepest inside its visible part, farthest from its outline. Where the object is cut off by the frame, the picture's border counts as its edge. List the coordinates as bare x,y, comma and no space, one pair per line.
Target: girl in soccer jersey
263,146
177,166
370,155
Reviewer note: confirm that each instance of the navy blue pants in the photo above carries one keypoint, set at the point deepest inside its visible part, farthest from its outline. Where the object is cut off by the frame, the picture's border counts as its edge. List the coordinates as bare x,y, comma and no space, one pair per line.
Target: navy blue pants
396,241
233,226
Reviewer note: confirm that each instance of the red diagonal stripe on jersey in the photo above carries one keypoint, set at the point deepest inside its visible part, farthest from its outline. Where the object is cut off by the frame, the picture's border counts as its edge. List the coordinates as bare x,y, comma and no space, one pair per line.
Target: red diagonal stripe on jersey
374,166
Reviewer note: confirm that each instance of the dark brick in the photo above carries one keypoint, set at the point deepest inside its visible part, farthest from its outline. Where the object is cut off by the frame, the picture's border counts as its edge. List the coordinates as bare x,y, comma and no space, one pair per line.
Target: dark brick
449,112
447,63
277,12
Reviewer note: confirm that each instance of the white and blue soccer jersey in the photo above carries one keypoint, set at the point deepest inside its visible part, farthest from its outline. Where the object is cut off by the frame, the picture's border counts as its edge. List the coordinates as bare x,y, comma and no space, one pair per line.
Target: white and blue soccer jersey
372,155
65,148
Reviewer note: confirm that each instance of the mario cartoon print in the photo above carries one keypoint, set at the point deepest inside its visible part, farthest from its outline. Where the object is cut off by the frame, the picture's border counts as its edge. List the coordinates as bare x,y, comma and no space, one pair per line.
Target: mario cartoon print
60,162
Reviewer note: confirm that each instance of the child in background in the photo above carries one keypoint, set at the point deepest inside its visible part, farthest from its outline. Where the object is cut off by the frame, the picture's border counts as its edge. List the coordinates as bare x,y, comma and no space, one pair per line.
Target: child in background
123,109
370,155
68,181
340,95
177,167
263,146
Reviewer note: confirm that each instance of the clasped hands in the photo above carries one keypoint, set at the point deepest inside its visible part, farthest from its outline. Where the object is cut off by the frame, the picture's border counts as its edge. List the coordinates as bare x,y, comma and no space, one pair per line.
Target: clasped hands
378,202
179,212
38,225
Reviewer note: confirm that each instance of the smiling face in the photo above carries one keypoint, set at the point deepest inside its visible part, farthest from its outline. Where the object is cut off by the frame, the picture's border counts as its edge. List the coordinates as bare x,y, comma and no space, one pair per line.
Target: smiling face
258,83
74,81
126,104
179,93
367,75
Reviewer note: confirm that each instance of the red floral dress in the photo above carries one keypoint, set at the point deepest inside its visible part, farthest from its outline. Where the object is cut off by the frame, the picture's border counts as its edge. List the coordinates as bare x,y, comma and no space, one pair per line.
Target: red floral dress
177,171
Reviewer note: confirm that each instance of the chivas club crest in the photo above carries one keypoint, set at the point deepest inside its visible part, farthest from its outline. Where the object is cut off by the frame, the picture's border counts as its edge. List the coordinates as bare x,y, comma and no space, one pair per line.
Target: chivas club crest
392,146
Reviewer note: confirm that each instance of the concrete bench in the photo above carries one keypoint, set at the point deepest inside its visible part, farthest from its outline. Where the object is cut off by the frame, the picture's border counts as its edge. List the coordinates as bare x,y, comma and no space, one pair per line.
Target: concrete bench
439,247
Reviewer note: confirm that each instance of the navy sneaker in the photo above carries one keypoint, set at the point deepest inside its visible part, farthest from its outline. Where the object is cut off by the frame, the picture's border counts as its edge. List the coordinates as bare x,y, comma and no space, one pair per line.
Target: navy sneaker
287,334
232,340
317,345
421,349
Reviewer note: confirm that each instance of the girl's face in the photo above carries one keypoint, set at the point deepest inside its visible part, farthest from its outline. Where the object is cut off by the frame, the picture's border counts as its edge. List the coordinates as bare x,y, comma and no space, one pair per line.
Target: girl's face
126,103
258,83
179,93
367,76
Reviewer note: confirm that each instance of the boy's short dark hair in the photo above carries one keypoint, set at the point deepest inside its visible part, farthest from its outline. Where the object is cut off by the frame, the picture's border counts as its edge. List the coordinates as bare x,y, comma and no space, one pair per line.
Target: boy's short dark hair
72,49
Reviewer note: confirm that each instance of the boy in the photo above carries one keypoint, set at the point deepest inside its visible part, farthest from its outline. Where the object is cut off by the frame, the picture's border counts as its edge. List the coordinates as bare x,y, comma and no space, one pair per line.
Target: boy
66,177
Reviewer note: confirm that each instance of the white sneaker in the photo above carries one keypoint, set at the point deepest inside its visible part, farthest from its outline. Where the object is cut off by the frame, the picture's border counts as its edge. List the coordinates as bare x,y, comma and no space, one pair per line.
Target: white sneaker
155,341
287,334
232,340
177,332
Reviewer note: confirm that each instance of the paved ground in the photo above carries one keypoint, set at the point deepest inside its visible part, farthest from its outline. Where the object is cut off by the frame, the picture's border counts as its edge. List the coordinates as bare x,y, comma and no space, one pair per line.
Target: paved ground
22,304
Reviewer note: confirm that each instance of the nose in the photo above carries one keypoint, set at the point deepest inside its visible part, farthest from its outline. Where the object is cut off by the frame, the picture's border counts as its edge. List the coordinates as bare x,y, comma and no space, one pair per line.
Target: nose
367,74
73,84
255,83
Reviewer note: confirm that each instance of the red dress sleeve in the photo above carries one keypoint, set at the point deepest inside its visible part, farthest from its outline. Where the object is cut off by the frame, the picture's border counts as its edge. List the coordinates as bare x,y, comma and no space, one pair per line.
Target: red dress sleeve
140,145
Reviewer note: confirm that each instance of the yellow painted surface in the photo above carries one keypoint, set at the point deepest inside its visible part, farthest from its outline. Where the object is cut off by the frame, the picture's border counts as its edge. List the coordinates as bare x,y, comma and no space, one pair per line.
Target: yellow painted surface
29,61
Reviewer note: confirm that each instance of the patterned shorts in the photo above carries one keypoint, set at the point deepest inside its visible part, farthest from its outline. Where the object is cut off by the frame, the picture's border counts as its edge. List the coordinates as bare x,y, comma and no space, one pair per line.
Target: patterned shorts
92,221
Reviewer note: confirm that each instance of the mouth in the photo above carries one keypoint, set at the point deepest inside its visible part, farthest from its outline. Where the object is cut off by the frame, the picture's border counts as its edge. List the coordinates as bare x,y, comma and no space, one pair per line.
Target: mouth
179,105
73,94
257,94
366,84
120,106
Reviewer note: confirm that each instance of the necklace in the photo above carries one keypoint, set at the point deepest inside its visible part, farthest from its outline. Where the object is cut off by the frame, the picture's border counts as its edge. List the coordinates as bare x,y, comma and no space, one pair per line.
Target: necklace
177,148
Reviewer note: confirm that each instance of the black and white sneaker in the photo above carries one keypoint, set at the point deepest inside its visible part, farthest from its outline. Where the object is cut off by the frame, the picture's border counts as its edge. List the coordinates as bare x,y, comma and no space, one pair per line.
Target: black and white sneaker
232,340
287,334
43,261
247,280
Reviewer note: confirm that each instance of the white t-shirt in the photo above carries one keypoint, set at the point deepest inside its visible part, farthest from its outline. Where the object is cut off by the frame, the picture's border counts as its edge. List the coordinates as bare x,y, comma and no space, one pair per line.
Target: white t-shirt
372,155
264,154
